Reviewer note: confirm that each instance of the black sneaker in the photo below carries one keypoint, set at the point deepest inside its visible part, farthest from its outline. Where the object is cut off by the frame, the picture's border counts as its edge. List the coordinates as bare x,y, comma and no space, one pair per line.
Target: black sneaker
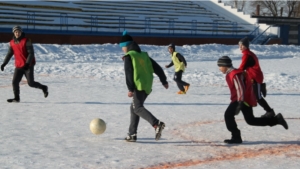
263,89
15,100
233,141
269,114
45,91
158,129
281,121
131,138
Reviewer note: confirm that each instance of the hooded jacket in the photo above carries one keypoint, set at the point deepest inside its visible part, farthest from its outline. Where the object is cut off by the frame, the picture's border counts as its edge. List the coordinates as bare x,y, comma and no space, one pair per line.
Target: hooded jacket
250,63
129,68
240,87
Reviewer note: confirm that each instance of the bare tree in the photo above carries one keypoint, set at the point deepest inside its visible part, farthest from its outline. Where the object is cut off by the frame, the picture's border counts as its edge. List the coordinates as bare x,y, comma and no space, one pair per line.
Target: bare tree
274,7
292,7
238,4
269,7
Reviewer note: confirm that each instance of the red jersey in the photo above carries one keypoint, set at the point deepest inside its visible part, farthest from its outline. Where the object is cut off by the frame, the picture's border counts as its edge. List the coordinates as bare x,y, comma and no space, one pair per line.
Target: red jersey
254,72
20,52
240,87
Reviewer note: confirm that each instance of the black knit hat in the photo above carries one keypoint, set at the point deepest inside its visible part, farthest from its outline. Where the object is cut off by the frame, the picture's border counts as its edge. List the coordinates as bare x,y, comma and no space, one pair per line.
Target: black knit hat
245,42
224,61
172,45
125,39
16,28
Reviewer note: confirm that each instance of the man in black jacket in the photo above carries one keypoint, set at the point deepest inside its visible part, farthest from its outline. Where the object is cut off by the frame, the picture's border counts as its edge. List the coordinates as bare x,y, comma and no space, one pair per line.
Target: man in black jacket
139,69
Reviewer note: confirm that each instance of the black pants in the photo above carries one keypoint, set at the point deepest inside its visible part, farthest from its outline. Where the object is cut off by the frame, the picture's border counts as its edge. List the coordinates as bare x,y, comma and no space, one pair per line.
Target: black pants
177,79
138,110
248,116
260,100
29,74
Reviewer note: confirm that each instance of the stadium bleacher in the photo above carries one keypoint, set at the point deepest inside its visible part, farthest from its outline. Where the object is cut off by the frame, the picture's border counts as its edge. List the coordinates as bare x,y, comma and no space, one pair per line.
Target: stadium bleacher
177,17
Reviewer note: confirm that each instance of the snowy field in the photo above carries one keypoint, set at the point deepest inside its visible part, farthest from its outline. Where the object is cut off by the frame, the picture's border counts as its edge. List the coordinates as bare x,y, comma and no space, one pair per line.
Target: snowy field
87,82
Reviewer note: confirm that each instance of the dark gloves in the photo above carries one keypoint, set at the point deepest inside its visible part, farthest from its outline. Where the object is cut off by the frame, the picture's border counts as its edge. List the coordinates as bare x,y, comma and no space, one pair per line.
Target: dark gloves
263,89
2,67
241,105
26,66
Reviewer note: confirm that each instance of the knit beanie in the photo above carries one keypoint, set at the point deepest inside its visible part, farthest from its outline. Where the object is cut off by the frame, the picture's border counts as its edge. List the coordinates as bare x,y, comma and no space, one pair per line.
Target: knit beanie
224,61
172,46
245,42
125,39
17,28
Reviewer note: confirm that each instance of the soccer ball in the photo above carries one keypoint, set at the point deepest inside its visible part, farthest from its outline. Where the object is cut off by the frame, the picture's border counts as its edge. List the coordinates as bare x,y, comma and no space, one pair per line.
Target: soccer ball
97,126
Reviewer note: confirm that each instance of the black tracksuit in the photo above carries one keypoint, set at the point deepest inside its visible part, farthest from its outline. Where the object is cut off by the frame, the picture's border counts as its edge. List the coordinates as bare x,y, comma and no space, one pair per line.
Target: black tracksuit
249,118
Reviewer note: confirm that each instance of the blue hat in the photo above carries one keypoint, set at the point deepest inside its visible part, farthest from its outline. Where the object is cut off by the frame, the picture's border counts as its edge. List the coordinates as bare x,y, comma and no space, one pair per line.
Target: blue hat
125,40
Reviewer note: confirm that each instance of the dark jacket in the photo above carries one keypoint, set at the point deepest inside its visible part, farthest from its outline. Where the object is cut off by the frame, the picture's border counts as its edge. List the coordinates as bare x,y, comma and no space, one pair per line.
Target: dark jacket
180,58
250,63
128,67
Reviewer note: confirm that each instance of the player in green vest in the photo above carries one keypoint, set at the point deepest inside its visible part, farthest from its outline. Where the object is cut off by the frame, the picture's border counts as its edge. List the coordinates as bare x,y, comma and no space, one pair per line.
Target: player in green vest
139,69
180,64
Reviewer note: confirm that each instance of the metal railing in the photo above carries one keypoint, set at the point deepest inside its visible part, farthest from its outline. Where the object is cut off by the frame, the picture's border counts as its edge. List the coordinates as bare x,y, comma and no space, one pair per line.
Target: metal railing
151,25
260,38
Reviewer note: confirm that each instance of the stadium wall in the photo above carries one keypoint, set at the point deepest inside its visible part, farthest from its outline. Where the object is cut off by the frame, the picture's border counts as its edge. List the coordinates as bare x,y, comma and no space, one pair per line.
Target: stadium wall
96,39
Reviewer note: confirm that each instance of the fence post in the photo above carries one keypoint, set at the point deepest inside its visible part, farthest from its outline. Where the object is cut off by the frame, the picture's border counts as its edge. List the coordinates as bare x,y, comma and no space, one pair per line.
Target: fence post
121,23
63,20
31,19
194,27
94,22
234,28
147,25
215,27
171,26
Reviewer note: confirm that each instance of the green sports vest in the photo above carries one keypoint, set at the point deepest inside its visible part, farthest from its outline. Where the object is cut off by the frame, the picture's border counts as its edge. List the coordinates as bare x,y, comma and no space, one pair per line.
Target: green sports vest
142,71
177,64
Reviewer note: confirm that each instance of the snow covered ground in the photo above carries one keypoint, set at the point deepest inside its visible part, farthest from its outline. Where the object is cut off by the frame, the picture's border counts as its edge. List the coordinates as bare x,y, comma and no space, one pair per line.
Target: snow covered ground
87,82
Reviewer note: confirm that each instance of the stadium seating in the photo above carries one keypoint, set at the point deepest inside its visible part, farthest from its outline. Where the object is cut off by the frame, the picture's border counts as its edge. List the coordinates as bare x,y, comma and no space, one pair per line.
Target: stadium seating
177,17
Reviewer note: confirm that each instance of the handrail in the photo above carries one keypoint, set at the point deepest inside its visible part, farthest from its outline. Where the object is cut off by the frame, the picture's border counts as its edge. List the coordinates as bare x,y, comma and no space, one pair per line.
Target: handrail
254,30
257,37
160,25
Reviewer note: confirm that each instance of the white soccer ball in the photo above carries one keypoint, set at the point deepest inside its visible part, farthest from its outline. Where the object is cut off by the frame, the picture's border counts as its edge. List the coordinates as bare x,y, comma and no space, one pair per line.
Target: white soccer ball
97,126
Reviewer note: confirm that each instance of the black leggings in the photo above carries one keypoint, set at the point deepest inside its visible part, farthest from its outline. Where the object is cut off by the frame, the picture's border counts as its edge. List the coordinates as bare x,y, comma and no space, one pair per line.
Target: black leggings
177,79
248,116
18,75
260,100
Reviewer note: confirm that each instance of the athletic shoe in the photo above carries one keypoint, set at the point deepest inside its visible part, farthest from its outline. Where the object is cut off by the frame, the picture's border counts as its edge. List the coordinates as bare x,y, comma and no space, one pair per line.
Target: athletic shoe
281,121
45,91
186,88
15,100
181,92
234,140
269,114
158,130
131,138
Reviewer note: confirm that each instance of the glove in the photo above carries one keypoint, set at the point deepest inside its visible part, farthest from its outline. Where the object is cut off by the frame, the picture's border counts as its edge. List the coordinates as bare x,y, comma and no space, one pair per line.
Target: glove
263,89
241,106
2,67
26,66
